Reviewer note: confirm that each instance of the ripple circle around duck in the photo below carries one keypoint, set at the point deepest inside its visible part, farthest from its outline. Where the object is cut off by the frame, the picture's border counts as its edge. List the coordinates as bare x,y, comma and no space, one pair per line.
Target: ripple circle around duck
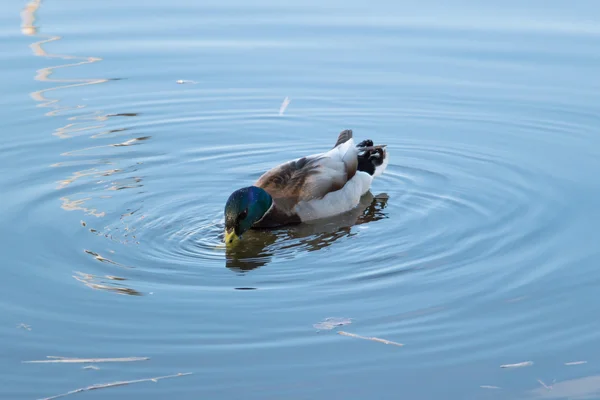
439,209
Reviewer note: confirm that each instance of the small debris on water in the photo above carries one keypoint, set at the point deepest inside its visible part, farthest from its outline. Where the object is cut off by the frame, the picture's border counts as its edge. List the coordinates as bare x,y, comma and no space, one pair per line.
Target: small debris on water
115,384
24,326
57,359
184,81
518,365
516,299
544,385
284,105
331,322
91,367
489,387
576,363
371,338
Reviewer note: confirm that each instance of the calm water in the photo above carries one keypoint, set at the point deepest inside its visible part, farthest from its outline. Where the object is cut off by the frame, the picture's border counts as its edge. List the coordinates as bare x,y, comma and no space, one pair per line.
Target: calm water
477,248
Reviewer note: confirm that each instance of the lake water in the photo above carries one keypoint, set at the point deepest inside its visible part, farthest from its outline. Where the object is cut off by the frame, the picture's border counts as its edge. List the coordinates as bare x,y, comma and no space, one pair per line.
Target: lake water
476,249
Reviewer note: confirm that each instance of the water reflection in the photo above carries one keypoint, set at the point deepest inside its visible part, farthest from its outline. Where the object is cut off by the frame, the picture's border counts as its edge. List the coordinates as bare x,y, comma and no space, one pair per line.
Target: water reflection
28,28
108,283
259,246
92,124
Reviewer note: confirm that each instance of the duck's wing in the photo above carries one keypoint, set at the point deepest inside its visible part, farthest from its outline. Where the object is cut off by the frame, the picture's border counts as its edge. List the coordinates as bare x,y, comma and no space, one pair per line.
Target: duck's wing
312,177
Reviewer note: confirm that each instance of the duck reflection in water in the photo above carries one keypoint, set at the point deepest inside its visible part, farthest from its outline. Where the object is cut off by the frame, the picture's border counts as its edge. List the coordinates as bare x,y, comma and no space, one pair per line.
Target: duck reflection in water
262,244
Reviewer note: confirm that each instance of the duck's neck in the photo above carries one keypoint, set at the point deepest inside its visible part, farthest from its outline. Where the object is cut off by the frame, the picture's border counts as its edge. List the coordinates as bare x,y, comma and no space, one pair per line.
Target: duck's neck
271,203
276,216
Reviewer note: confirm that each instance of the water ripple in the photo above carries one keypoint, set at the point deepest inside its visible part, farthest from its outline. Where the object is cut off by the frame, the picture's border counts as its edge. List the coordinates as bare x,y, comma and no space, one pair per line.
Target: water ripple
478,235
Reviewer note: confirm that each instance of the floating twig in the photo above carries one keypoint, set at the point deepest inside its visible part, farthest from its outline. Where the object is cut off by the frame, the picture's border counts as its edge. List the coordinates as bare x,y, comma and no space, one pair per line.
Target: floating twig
113,384
518,365
544,385
373,339
516,299
284,105
576,363
56,359
331,322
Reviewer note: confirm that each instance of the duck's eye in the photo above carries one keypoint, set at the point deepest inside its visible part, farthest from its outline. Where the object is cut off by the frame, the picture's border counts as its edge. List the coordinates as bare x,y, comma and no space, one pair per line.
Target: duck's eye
243,214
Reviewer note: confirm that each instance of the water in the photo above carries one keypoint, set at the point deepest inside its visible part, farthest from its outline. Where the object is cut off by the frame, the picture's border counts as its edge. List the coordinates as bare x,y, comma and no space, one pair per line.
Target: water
476,249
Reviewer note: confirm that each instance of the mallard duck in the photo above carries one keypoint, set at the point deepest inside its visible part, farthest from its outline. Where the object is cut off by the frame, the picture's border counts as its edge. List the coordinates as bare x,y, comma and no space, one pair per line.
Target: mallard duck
308,188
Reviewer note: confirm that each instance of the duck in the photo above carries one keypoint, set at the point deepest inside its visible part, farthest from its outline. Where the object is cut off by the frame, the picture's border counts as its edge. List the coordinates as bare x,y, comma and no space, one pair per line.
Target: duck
305,189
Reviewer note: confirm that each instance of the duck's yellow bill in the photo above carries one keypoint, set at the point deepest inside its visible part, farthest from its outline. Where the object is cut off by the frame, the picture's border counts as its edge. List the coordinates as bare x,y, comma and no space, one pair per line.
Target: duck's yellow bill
230,237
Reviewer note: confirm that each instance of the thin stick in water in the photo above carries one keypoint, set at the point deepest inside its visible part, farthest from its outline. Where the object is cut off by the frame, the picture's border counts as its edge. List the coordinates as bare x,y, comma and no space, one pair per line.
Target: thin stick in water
576,363
286,102
56,359
518,365
109,385
544,385
373,339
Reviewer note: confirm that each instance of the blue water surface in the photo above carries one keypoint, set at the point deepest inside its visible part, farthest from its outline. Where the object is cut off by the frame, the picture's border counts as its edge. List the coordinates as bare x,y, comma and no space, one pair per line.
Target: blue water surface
476,249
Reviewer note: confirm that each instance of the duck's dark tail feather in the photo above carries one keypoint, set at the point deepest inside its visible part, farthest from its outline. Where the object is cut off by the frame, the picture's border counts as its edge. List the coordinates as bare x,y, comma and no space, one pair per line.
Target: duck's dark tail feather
343,137
372,159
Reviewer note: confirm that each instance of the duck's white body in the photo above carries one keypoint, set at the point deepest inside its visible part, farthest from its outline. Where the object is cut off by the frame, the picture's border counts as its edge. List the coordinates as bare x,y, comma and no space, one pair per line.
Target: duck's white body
346,198
325,184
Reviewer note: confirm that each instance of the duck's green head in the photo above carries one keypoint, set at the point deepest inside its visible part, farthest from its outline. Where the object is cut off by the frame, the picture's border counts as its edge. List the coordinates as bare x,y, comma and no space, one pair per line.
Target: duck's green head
243,208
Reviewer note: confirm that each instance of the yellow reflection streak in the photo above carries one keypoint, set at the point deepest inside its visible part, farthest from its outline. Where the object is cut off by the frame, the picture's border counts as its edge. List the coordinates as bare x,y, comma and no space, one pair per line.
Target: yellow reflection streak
72,205
109,283
28,28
